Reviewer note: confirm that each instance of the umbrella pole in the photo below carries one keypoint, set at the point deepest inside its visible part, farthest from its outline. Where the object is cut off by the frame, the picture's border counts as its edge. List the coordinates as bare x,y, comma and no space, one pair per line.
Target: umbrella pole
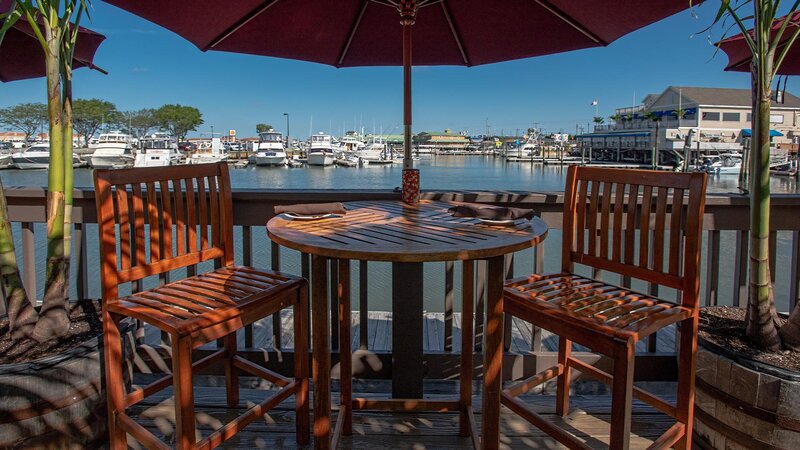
408,11
407,161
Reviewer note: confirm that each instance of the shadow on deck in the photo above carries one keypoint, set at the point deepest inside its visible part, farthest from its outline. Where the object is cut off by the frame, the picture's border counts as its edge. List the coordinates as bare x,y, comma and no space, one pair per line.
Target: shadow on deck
589,419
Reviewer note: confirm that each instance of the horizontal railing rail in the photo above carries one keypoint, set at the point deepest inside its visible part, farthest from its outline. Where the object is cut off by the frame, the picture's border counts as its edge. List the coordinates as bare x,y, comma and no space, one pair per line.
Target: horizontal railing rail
724,268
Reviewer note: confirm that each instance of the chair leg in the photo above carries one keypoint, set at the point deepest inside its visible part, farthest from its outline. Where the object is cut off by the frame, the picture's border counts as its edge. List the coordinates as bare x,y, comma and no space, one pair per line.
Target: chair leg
563,382
301,406
686,370
621,397
184,396
467,344
115,389
345,347
231,372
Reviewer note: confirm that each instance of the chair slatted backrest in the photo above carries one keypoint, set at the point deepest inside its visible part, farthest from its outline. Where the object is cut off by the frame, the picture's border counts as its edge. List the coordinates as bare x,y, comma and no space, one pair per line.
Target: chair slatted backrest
637,223
153,220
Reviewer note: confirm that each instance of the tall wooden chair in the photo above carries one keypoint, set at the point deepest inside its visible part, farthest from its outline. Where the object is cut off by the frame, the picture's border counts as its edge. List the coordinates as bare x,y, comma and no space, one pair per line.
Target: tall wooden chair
636,224
156,220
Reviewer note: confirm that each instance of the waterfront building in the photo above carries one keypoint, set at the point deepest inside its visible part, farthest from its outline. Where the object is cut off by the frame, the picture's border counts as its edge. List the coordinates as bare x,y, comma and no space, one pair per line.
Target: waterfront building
719,120
445,140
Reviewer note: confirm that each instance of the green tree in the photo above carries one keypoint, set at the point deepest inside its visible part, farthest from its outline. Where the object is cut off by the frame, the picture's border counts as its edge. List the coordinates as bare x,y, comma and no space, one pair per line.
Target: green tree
178,120
139,123
598,120
262,127
55,24
88,115
25,117
769,43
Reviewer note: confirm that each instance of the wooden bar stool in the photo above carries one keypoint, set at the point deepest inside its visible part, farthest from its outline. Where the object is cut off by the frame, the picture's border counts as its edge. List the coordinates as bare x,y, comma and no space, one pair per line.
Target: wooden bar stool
156,220
633,223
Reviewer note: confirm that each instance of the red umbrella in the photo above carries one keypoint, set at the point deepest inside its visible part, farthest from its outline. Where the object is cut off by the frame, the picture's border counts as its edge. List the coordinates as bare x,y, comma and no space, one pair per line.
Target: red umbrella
346,33
739,54
21,55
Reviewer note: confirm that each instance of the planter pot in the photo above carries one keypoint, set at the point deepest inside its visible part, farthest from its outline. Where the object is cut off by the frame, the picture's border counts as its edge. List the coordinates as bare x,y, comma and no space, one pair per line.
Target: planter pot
744,404
59,401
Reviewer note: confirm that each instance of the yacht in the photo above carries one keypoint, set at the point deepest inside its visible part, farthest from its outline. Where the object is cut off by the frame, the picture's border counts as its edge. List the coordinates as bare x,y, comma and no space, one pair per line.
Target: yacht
209,152
37,156
113,150
376,152
158,150
321,151
270,150
350,143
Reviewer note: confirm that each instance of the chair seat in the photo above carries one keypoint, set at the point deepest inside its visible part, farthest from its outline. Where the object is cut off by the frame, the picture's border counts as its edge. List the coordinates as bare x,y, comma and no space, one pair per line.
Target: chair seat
244,294
591,304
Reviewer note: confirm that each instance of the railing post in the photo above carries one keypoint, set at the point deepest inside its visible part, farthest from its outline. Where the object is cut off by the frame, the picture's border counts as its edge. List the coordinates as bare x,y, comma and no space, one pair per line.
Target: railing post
247,260
712,268
277,328
29,262
449,267
794,278
363,305
740,269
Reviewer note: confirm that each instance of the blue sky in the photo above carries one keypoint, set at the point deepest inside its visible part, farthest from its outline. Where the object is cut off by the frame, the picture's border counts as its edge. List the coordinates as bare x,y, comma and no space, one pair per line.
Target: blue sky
149,66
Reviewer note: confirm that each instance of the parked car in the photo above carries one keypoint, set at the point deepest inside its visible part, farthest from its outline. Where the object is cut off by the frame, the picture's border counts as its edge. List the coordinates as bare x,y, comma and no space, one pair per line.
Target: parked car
187,146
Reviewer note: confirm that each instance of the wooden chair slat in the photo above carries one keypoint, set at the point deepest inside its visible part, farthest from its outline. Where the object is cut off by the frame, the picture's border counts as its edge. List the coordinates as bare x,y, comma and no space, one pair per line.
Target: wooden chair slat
580,217
180,217
605,218
644,227
591,225
630,230
191,215
138,225
659,230
675,232
154,220
202,210
213,193
166,217
123,219
619,206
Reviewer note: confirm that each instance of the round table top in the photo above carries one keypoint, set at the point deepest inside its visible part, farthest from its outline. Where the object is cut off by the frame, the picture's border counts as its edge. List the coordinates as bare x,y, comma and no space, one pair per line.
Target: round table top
398,232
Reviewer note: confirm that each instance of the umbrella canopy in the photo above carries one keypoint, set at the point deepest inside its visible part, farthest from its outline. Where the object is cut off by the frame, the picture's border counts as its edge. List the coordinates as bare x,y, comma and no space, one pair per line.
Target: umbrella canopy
21,55
345,33
739,54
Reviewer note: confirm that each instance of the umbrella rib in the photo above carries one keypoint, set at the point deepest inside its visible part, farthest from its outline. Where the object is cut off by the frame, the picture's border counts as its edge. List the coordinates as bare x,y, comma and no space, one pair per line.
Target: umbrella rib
352,33
456,35
570,21
240,23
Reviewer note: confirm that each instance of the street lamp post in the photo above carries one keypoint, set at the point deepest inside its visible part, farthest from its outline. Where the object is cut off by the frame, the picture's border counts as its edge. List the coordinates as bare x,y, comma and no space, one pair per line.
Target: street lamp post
288,139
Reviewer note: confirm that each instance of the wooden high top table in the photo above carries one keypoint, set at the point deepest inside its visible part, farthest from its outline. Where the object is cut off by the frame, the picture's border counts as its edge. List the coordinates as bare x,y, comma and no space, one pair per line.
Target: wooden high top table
407,236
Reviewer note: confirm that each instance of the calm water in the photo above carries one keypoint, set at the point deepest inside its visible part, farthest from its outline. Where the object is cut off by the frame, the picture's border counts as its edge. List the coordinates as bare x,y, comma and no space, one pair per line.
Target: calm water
437,173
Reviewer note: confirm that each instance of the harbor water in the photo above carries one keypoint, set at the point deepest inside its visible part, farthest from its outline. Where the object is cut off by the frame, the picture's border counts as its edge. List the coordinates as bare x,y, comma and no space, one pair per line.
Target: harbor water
444,173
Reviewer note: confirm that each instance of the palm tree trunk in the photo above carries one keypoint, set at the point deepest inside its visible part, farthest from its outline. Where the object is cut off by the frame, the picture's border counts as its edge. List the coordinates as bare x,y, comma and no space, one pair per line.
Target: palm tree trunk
761,316
21,315
54,319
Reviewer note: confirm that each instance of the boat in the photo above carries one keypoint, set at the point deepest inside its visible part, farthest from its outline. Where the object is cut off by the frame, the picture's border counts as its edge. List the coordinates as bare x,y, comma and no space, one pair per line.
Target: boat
783,170
321,153
350,143
209,153
376,152
113,150
158,150
722,164
6,160
37,156
271,151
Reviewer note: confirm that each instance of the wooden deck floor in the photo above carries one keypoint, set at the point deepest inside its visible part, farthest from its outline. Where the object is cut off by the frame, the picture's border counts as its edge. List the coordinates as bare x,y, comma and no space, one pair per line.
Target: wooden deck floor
589,420
380,334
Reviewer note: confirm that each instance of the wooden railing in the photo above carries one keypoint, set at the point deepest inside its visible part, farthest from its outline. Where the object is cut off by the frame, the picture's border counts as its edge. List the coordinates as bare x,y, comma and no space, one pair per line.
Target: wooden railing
724,274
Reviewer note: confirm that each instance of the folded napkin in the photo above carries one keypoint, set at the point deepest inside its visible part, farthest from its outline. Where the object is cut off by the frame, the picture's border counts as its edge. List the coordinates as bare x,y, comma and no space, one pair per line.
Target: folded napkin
312,209
490,212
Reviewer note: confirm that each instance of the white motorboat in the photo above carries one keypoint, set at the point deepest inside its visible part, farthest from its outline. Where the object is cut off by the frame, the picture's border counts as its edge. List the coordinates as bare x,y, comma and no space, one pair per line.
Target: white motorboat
37,156
376,152
321,151
209,153
6,160
158,150
271,151
350,143
113,150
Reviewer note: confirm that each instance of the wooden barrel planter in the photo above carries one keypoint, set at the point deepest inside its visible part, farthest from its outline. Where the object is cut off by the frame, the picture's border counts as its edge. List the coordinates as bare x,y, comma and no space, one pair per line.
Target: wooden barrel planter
59,401
744,404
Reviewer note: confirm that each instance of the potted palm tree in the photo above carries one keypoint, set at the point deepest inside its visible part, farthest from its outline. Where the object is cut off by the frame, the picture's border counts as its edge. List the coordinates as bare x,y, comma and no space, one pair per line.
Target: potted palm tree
51,380
744,398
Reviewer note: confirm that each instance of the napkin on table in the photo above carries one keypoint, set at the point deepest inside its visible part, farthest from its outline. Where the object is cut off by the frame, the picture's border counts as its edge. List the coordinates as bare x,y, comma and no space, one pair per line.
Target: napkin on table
490,212
312,209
